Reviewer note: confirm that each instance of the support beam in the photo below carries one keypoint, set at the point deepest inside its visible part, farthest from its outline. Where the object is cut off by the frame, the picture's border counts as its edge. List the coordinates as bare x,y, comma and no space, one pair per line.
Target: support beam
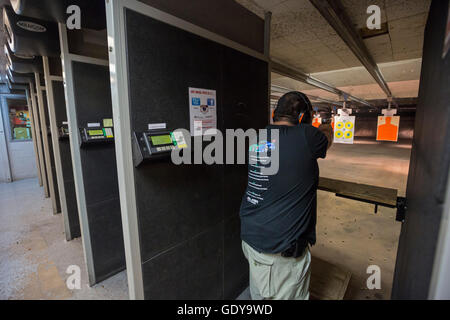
37,117
55,143
334,13
115,18
45,140
69,95
299,75
319,99
283,90
33,134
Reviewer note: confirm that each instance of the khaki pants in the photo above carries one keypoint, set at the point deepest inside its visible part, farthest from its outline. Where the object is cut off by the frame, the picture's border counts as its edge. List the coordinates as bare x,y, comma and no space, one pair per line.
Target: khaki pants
275,277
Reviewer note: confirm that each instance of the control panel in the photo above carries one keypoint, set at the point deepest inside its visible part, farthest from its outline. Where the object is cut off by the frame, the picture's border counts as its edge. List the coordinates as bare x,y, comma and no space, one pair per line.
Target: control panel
156,144
96,135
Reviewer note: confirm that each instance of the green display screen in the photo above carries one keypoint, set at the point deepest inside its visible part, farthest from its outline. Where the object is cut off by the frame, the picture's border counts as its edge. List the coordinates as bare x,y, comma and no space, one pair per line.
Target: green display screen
95,132
160,140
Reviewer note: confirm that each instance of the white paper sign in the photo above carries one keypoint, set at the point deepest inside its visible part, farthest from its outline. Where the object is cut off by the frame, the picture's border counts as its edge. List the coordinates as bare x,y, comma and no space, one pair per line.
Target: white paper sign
202,110
344,129
154,126
389,112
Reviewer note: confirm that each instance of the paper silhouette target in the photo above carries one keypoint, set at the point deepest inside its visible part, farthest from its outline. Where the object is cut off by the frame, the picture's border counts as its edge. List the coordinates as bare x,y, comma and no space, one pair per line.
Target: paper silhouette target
344,129
317,121
388,128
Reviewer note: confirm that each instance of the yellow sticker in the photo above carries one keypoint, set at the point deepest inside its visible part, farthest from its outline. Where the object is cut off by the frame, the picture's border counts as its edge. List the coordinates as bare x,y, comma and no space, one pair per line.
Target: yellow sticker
107,123
109,133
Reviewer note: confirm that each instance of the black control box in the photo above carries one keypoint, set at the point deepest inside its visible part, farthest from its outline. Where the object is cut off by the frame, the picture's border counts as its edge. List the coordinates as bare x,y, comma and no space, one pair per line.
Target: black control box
98,135
156,144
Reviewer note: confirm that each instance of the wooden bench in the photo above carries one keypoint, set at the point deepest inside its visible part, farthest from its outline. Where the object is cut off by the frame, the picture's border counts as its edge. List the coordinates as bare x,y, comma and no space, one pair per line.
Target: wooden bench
360,192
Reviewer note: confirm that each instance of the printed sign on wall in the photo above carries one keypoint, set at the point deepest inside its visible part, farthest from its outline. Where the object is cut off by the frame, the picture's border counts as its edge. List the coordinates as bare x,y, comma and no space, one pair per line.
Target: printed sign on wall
202,110
21,117
388,128
344,129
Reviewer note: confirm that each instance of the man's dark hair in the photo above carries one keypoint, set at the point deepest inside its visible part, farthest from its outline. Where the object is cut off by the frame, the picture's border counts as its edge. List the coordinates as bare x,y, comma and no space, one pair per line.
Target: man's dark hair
291,105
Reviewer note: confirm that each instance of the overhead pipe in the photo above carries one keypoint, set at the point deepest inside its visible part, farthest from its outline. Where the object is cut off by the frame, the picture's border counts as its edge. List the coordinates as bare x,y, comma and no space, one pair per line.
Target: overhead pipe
333,11
299,75
337,103
283,90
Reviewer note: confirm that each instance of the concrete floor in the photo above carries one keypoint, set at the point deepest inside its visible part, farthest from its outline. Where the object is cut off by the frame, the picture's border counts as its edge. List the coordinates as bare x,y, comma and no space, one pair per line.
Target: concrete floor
34,256
349,234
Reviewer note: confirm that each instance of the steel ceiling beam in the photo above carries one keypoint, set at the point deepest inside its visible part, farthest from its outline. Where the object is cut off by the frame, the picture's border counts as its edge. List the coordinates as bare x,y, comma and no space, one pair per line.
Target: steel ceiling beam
299,75
283,90
333,11
319,99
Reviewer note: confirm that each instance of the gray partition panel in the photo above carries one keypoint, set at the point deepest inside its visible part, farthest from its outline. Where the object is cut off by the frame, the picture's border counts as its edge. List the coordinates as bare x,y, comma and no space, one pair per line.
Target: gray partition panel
66,161
190,270
93,104
55,181
429,167
188,215
51,154
40,141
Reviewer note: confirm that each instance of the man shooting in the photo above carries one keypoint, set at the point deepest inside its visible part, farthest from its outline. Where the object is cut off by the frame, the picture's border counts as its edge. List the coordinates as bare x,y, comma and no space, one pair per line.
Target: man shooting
278,212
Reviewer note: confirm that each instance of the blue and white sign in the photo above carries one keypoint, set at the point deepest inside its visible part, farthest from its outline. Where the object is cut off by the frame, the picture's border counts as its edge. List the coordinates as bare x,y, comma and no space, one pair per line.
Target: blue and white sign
202,110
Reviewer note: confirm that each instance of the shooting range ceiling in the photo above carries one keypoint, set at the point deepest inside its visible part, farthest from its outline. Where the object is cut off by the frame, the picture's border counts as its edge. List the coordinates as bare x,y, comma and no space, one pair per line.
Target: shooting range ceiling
303,39
402,77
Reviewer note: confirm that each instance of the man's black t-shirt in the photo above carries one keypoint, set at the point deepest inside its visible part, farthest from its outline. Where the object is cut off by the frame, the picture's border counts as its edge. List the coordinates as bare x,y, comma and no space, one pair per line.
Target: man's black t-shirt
277,210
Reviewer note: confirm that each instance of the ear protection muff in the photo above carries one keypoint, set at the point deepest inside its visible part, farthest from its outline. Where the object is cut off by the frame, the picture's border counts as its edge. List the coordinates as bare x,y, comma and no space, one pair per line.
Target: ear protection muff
301,117
305,117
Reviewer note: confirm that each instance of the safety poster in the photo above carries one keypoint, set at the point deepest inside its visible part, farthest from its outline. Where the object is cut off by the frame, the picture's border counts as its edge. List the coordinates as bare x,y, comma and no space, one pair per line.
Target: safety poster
202,110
